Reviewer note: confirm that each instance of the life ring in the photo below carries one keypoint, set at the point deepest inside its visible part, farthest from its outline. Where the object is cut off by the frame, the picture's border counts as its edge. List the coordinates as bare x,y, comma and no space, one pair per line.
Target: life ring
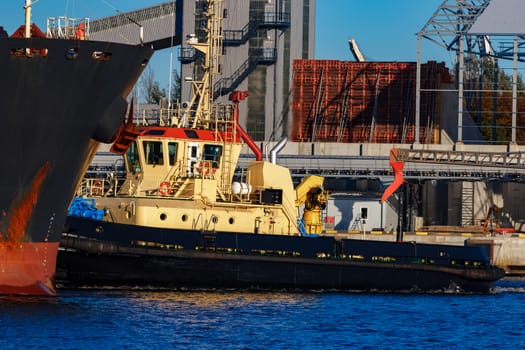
165,188
96,188
205,166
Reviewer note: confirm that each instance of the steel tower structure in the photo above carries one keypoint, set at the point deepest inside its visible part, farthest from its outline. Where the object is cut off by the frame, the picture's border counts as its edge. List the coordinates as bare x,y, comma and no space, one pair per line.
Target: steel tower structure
475,27
261,38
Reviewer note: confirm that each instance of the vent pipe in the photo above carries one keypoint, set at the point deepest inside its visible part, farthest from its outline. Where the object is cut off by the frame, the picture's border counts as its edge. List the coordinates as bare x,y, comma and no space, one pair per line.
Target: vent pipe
279,146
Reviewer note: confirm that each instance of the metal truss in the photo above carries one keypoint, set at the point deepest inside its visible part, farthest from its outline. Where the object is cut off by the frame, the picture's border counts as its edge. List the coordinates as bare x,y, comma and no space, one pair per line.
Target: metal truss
452,19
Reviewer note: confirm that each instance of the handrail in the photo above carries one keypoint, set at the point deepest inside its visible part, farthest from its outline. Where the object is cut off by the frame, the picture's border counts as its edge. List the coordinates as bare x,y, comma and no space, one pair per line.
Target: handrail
237,37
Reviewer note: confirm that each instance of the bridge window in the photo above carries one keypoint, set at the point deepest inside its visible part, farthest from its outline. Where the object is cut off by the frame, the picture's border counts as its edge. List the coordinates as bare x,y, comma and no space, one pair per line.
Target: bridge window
153,152
172,152
212,153
132,158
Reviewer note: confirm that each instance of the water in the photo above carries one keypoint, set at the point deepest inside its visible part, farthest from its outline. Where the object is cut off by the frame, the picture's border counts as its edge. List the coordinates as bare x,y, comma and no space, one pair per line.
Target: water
116,319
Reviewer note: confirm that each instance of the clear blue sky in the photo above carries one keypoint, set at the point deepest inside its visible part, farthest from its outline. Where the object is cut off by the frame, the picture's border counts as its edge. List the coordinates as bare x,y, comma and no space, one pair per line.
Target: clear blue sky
384,29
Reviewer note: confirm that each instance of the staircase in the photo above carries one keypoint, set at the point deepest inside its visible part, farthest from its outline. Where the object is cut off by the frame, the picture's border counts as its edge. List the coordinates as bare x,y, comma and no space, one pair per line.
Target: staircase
467,203
271,20
260,56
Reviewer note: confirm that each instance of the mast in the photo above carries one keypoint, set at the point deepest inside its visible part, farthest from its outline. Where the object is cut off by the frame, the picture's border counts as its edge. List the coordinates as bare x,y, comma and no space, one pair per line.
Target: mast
27,8
202,91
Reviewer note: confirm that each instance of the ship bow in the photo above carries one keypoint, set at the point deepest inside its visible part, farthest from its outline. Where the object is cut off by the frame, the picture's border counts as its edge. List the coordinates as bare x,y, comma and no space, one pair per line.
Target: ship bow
28,268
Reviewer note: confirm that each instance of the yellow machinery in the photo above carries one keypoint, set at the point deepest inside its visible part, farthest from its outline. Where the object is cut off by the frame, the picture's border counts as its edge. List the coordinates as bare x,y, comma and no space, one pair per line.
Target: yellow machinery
311,193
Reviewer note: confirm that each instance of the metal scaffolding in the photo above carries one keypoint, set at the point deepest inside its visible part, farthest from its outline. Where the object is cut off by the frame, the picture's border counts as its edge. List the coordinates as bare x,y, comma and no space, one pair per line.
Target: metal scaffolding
472,28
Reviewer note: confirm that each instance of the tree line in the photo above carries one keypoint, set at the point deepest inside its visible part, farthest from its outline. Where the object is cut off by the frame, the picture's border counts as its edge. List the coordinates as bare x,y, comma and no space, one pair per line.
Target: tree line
489,100
151,92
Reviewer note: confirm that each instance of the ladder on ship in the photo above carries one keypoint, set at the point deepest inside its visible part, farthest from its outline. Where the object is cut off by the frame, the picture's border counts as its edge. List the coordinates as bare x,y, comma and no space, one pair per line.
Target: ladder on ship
226,168
357,224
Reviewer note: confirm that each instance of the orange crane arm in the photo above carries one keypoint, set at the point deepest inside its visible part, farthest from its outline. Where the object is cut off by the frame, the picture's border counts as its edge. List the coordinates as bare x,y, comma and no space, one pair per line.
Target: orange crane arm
397,168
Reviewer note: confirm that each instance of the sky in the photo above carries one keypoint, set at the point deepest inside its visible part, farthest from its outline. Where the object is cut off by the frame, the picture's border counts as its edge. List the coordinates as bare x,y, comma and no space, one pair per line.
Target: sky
385,30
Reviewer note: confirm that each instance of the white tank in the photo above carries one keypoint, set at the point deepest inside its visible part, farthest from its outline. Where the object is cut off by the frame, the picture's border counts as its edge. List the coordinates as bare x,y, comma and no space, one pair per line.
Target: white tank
241,188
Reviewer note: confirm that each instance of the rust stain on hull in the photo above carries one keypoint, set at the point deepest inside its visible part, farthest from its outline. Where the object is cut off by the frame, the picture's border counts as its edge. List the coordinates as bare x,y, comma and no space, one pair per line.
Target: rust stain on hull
26,267
21,212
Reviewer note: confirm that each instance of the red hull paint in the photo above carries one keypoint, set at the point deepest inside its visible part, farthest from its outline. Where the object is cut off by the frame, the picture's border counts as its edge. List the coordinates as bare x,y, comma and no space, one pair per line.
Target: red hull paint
28,268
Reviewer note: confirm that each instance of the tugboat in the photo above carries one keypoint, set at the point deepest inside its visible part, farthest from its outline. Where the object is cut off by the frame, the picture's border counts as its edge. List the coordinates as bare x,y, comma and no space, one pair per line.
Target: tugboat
60,96
185,218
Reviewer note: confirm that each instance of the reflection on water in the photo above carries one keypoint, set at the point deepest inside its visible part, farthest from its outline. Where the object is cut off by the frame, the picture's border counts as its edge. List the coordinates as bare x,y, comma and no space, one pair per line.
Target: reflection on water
220,299
26,299
240,319
213,298
510,285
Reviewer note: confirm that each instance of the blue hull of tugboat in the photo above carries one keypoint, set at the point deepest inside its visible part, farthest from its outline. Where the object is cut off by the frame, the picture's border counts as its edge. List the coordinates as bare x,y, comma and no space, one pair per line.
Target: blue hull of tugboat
96,253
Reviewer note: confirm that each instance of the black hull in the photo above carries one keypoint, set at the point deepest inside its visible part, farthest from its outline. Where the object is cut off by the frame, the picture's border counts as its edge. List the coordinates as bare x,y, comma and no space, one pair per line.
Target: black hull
55,107
96,254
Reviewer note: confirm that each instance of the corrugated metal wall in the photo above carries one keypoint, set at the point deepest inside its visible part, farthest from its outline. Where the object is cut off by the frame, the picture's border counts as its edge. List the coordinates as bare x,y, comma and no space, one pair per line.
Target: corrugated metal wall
336,101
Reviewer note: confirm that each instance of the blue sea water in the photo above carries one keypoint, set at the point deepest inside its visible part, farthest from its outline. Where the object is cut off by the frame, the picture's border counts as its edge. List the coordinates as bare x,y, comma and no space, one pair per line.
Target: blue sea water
229,319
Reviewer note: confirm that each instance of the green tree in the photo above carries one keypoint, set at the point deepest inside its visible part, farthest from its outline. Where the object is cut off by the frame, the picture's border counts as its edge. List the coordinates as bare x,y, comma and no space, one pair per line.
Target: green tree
490,99
150,88
175,86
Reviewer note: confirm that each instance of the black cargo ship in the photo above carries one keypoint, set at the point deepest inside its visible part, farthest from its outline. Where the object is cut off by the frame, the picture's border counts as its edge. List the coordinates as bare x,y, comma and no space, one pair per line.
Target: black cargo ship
59,98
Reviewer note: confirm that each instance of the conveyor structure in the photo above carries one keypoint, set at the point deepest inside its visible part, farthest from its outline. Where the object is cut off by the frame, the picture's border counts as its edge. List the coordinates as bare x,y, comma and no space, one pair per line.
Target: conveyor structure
483,159
399,156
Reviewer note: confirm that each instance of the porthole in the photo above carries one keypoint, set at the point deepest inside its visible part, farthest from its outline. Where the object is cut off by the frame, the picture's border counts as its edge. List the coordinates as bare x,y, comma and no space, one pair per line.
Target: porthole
184,217
231,221
101,55
163,216
214,219
72,53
